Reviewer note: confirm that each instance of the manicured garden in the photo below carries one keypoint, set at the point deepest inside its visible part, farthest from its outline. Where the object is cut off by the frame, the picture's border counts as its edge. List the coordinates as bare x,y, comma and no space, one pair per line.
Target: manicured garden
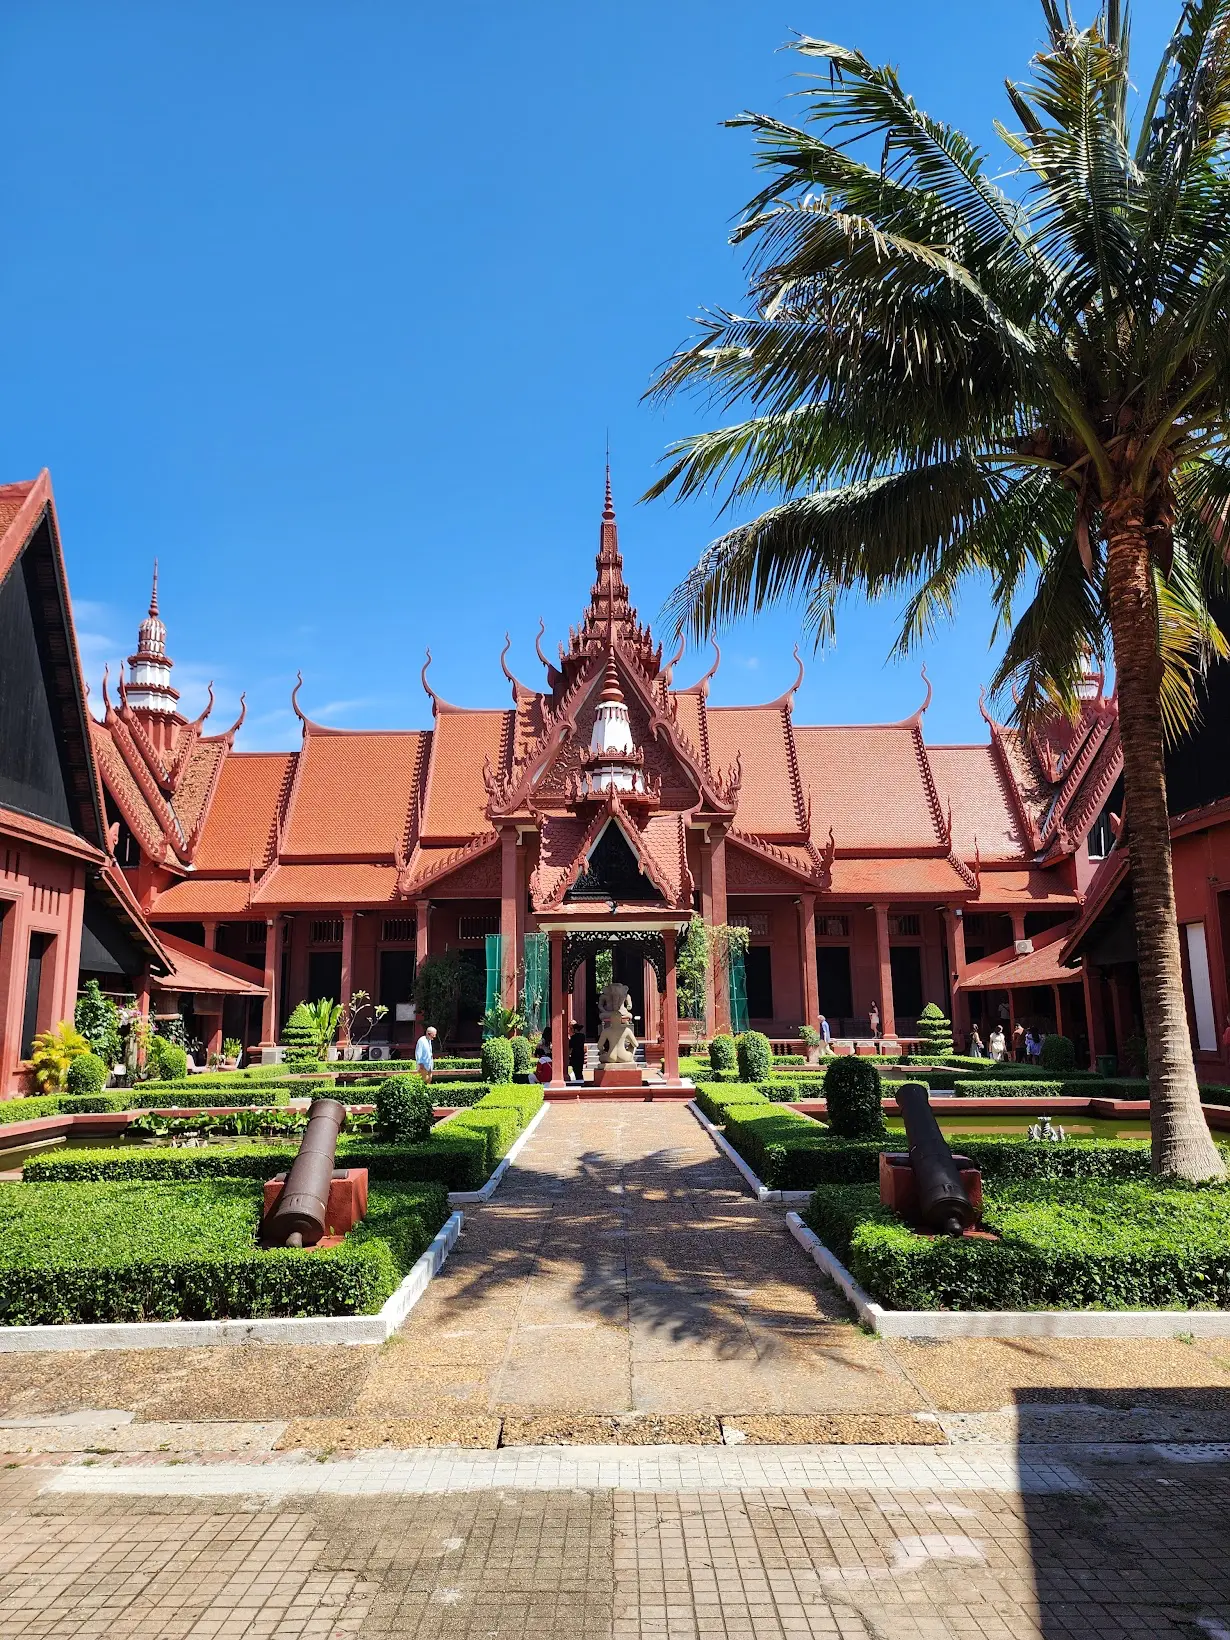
154,1230
1079,1223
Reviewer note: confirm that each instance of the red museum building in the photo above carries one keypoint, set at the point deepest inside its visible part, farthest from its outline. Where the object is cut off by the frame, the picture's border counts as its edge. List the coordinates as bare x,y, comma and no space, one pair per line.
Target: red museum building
608,804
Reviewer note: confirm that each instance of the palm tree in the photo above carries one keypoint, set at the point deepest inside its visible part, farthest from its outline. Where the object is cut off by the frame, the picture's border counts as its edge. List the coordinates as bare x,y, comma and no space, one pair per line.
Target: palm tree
943,380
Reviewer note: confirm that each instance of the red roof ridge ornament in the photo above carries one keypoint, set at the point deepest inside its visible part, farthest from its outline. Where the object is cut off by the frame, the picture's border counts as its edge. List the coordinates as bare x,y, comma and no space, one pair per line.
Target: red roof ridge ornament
914,721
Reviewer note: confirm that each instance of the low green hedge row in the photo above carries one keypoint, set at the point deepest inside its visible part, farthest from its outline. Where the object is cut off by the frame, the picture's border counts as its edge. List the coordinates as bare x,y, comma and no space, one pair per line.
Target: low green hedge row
142,1252
199,1094
60,1104
462,1152
1130,1245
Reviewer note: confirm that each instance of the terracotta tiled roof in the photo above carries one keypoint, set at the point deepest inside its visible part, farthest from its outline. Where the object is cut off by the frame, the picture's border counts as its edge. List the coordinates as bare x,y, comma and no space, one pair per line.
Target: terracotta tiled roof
197,897
898,878
237,832
343,884
1030,887
43,831
690,714
197,969
770,798
129,798
565,841
13,498
867,784
196,782
456,796
983,816
351,794
429,865
1004,969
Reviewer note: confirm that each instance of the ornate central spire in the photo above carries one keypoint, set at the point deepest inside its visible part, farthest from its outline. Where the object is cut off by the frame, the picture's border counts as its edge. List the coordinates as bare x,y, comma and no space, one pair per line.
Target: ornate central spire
149,670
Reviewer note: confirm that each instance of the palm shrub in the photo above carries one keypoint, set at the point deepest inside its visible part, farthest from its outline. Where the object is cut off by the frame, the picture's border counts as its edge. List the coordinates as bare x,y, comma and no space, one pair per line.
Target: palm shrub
301,1050
523,1055
1058,1054
755,1056
722,1053
947,382
325,1016
54,1051
497,1059
86,1073
852,1089
404,1112
935,1029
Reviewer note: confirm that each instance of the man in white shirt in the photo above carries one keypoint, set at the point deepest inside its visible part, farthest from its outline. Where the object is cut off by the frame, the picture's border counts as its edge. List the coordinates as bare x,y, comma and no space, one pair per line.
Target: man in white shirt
826,1037
424,1053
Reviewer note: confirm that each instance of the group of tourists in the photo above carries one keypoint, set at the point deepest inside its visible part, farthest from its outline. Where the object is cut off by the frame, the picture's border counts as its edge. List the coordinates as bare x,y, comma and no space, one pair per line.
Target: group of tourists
1024,1047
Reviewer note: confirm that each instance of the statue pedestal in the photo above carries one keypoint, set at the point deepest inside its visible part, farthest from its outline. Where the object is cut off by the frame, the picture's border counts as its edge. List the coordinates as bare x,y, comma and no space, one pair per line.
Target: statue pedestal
618,1076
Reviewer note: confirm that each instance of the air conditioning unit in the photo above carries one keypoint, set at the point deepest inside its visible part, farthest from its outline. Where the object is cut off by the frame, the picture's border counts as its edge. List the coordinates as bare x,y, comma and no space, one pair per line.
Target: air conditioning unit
378,1050
1023,948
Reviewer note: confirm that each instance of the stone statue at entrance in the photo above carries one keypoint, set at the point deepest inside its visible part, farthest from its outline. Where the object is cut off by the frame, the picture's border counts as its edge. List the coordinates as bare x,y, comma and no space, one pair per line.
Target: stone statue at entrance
616,1041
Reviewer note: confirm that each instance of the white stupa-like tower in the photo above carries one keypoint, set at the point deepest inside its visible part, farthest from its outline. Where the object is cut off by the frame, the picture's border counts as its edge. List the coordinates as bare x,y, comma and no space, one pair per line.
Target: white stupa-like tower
614,763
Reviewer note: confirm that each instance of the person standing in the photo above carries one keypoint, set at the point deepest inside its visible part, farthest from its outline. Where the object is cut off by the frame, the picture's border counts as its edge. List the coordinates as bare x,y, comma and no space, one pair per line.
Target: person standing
826,1038
873,1019
424,1053
576,1051
1018,1043
976,1049
998,1045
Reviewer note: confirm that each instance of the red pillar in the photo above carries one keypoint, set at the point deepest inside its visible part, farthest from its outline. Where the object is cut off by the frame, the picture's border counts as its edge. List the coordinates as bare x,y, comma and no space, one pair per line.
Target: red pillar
559,1042
888,1017
670,1013
211,935
809,989
717,899
213,1037
1058,1011
954,927
422,912
269,1008
508,915
343,1033
1018,925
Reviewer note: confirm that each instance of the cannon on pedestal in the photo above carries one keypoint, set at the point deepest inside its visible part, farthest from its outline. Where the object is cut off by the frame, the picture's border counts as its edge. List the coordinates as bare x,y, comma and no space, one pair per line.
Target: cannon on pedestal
930,1184
300,1211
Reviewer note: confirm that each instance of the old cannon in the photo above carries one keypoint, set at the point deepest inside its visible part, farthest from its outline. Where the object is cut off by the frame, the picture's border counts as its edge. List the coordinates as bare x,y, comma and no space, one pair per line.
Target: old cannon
942,1192
300,1210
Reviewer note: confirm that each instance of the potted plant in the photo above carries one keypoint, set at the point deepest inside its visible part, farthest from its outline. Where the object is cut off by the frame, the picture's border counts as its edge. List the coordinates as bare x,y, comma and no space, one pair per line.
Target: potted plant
231,1051
811,1036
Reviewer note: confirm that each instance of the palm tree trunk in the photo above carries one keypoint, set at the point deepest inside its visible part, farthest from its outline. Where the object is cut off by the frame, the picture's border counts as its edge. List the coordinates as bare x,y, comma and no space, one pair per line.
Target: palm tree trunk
1182,1145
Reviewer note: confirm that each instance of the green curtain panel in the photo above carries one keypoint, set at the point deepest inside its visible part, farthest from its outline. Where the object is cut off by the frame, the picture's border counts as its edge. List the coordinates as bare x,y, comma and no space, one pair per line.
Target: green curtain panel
537,980
737,983
495,957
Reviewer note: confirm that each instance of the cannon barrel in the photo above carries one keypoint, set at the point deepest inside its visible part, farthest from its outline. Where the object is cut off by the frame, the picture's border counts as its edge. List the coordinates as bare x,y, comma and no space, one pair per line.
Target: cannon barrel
943,1203
299,1217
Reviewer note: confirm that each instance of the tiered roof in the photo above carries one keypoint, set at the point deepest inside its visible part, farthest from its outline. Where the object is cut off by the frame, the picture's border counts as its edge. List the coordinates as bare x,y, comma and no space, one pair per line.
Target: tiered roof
377,818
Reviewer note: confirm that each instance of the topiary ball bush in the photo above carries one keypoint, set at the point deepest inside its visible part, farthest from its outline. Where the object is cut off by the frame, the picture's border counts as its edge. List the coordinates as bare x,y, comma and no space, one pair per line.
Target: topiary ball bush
755,1056
722,1053
1058,1054
498,1060
404,1112
87,1073
165,1061
852,1088
523,1055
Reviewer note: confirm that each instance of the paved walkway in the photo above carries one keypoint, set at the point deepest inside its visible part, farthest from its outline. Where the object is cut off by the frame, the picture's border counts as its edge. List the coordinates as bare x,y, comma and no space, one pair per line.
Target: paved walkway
621,1270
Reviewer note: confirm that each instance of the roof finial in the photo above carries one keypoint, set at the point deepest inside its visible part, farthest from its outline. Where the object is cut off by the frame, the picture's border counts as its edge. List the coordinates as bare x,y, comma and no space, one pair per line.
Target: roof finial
608,505
153,597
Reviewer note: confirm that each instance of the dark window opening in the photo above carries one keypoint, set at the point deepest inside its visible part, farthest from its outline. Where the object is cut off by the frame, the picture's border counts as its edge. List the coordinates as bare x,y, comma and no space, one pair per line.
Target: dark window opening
39,945
1101,838
396,982
906,964
325,976
758,974
836,993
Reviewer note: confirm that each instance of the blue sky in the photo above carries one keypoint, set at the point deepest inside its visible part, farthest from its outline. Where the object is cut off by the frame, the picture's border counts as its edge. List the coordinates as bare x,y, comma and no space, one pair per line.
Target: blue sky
331,308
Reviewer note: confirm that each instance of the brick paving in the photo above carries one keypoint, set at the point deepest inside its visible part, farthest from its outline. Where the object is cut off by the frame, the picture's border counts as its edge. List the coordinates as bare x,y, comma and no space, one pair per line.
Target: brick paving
1084,1541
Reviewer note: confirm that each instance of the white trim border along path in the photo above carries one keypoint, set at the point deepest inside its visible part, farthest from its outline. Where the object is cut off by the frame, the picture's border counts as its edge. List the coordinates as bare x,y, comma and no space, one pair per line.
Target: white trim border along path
474,1198
759,1189
1007,1323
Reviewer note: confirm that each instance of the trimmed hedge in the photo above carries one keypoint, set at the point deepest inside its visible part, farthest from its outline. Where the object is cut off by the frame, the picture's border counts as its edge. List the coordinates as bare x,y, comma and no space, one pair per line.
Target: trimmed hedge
723,1056
1130,1245
59,1104
403,1110
755,1056
935,1028
192,1096
86,1074
498,1060
141,1252
852,1088
460,1152
523,1055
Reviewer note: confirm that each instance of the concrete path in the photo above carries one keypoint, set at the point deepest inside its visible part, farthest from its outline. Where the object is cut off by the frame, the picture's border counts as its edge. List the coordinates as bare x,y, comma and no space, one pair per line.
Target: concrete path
621,1286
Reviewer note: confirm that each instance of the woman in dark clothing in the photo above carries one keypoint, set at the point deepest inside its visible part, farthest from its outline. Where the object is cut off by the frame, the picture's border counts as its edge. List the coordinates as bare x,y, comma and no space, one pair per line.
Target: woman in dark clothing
576,1052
